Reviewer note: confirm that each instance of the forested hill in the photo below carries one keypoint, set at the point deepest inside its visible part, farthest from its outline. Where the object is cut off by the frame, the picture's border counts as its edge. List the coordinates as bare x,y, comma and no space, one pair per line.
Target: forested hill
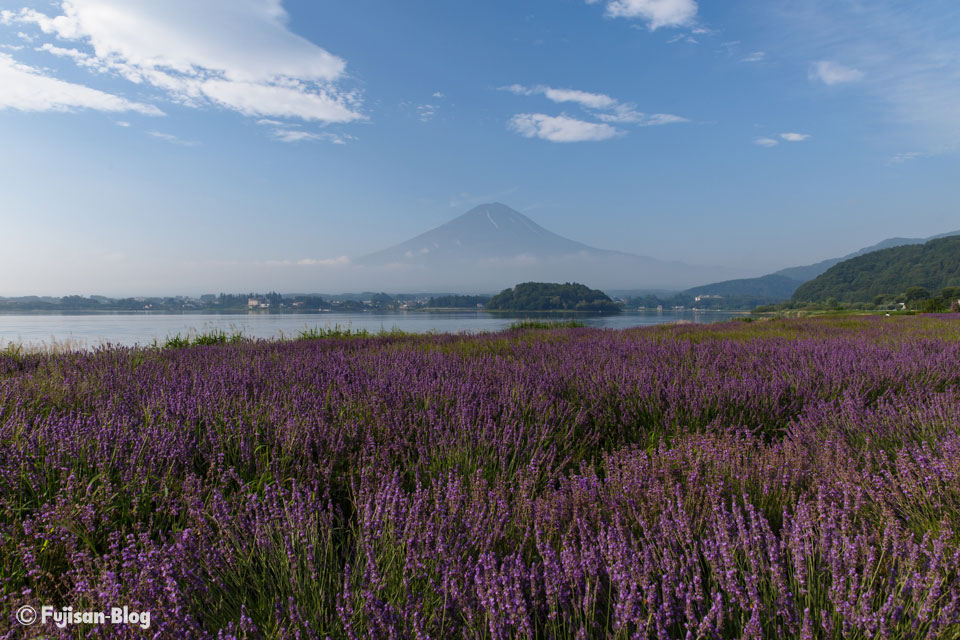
546,296
769,288
933,266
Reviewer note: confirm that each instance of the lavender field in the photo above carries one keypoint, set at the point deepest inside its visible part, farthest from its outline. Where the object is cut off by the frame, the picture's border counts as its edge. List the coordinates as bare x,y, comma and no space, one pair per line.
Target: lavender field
776,479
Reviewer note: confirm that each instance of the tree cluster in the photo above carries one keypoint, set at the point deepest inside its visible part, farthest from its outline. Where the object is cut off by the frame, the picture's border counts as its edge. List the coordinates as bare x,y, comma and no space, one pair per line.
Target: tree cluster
457,302
547,296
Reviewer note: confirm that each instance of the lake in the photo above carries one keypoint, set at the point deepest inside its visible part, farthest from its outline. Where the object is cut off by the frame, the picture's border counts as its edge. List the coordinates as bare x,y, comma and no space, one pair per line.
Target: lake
91,330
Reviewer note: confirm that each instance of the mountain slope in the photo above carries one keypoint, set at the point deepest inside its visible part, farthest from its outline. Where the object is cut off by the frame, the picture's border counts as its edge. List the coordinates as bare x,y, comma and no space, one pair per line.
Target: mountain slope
492,246
767,287
933,265
811,271
488,231
781,285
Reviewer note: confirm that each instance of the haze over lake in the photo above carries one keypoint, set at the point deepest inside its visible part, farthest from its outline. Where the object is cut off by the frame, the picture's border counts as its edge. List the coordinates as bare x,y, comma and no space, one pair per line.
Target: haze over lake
91,330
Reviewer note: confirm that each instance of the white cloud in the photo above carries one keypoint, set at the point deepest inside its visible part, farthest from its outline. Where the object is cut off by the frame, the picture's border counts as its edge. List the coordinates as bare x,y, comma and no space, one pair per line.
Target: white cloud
122,123
169,137
656,13
518,89
627,114
683,37
254,99
560,128
583,98
64,53
589,100
27,89
756,56
296,135
238,54
602,106
795,137
658,119
908,156
765,142
438,94
427,112
831,73
624,114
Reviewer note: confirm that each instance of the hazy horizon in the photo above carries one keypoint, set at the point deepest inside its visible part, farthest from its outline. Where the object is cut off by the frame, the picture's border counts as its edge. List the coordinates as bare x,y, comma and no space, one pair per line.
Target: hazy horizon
184,148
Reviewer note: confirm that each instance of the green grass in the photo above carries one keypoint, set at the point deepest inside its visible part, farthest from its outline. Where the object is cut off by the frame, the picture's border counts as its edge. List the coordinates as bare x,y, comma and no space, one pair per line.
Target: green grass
547,324
336,331
208,338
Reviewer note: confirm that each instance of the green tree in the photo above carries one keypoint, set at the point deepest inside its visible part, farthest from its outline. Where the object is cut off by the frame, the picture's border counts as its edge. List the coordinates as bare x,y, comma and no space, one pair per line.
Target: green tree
950,293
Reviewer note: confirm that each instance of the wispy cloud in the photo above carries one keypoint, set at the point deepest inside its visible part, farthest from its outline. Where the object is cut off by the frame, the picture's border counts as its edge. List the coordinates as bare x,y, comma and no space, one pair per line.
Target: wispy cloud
583,98
772,141
236,55
172,139
560,128
464,199
628,115
756,56
426,112
683,37
422,111
655,13
25,88
907,156
600,106
831,73
296,135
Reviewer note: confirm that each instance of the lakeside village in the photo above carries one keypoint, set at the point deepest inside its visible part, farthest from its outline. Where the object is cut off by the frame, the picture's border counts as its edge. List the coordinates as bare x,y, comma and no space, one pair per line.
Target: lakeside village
221,303
529,296
256,302
294,303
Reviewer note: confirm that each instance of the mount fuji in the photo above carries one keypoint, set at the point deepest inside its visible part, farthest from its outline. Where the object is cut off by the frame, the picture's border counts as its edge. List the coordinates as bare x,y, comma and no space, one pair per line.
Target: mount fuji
493,246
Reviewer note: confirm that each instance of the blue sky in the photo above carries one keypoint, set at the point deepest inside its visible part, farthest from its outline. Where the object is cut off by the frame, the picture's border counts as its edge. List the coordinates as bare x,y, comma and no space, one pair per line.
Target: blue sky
226,145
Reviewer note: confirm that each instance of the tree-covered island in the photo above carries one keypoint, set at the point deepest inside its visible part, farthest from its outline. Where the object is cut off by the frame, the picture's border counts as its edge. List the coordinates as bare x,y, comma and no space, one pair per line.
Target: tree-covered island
548,296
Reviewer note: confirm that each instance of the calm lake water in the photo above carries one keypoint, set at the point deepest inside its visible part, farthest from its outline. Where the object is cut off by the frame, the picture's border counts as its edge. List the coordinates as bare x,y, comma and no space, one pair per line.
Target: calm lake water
92,330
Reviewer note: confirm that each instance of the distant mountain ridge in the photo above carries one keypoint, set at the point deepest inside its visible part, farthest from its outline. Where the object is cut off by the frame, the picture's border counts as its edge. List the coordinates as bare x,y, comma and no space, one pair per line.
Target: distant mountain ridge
771,286
809,272
493,246
781,285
